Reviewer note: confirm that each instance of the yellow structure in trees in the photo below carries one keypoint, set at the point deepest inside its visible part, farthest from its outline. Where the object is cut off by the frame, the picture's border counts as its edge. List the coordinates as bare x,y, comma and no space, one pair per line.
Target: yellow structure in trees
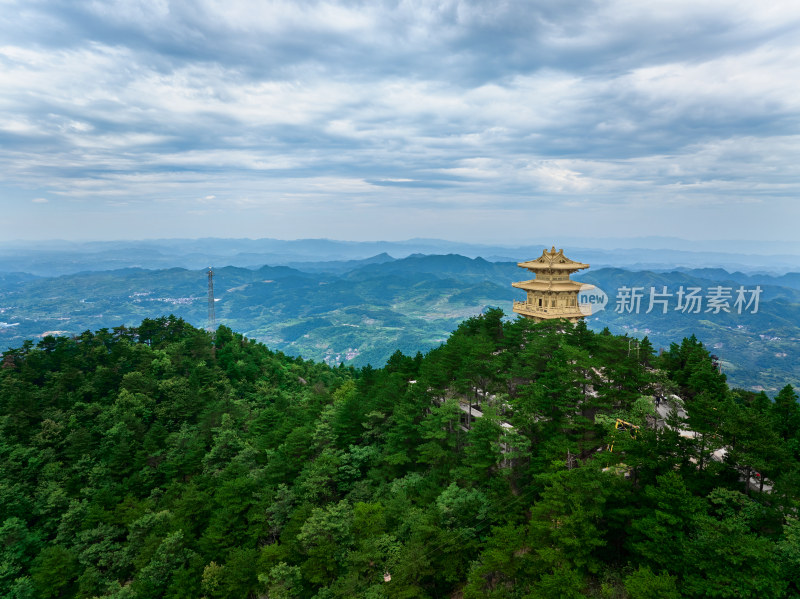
551,293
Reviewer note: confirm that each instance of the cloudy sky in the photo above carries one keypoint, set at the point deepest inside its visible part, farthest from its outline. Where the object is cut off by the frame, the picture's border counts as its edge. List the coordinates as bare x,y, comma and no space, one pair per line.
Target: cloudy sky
465,120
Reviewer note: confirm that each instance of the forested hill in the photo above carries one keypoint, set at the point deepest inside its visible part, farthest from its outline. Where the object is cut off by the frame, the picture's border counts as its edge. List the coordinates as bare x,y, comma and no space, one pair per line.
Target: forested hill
157,462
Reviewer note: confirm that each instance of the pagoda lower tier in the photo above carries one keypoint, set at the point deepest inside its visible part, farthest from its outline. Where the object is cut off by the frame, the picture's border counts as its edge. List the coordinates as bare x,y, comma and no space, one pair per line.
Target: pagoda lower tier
547,301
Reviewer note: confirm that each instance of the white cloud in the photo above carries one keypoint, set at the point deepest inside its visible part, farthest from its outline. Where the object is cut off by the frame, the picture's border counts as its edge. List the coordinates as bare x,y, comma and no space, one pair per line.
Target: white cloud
761,81
448,104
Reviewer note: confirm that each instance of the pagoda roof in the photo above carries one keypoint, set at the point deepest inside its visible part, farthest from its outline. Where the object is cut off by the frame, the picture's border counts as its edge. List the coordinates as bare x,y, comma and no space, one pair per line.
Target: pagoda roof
553,260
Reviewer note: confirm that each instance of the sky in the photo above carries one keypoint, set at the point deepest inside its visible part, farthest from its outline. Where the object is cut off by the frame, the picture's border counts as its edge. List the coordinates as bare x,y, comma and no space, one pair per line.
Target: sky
503,121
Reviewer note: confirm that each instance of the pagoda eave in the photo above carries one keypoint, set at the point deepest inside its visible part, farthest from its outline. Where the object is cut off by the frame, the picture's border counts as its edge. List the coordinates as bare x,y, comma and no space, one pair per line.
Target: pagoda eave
535,265
543,285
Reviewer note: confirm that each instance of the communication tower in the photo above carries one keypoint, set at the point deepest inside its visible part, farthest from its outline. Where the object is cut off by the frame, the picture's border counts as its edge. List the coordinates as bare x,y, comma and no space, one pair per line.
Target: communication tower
212,319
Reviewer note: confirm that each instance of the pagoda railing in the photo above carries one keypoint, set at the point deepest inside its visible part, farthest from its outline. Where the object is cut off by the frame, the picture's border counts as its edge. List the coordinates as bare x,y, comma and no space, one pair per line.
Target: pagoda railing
526,307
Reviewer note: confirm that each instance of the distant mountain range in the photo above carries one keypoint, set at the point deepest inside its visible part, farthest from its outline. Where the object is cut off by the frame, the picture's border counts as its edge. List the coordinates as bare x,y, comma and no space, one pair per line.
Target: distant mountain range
324,255
360,311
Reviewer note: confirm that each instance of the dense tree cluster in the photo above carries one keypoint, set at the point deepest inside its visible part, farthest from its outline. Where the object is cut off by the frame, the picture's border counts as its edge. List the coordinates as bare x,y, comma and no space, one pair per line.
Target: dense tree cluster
160,461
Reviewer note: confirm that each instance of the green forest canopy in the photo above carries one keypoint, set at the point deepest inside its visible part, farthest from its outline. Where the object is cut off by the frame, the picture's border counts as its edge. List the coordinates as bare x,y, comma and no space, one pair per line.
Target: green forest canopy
159,461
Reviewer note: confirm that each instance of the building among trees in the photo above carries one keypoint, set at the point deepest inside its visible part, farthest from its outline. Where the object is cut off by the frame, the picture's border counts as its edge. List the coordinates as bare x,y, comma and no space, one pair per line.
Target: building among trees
551,293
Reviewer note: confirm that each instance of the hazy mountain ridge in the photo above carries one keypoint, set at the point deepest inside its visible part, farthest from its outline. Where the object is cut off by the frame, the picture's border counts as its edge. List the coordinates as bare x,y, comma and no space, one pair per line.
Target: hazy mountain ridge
63,257
791,279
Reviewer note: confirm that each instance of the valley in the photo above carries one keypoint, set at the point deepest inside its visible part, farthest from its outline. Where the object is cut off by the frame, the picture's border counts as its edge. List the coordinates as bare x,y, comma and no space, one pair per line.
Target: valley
363,311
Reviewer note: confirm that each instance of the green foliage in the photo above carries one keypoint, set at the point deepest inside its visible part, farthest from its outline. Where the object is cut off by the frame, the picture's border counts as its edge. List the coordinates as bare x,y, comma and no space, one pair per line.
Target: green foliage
645,584
163,462
789,551
562,582
54,569
665,522
573,521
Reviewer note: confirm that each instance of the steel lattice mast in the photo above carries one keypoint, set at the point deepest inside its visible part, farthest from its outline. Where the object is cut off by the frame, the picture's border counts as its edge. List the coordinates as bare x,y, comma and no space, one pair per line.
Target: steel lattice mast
212,319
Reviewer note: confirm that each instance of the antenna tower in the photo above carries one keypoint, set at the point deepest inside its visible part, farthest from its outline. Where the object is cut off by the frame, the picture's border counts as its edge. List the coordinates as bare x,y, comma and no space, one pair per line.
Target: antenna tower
212,319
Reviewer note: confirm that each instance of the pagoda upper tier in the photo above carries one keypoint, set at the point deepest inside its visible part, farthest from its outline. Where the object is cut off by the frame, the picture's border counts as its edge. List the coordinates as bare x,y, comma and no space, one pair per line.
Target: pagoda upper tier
551,293
553,260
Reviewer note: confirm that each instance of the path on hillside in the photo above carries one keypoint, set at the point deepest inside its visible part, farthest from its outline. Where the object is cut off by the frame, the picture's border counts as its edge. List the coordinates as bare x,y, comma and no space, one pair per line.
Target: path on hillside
663,409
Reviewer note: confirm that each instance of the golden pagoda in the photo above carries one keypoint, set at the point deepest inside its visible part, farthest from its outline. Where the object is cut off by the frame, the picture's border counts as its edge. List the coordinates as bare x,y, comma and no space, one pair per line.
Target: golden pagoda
551,293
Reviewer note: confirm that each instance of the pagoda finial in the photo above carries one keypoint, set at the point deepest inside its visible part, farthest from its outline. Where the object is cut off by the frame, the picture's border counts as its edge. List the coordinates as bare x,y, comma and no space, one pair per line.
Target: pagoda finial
553,250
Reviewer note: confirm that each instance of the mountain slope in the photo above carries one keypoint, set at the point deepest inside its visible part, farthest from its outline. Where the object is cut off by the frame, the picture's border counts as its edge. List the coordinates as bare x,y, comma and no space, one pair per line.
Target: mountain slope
158,463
